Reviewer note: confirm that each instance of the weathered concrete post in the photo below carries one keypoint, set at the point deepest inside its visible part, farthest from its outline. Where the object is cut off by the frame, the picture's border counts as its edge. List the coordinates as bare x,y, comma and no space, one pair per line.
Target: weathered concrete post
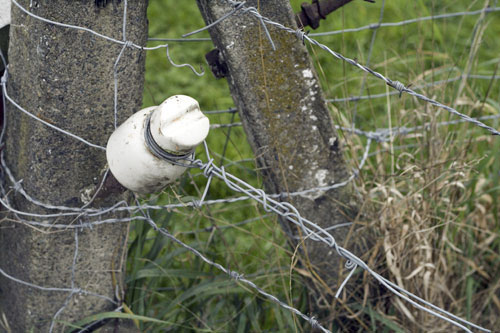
287,123
65,77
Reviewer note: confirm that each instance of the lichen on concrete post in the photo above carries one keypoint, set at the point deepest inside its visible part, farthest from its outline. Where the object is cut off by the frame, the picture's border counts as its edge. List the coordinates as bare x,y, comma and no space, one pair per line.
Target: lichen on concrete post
65,77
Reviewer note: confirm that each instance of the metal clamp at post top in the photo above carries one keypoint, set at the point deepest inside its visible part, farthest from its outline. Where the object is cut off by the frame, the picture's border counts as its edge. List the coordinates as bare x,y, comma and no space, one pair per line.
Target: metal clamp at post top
312,13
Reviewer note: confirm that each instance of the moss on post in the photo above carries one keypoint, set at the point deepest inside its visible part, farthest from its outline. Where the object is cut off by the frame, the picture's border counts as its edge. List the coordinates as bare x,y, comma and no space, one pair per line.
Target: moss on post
287,123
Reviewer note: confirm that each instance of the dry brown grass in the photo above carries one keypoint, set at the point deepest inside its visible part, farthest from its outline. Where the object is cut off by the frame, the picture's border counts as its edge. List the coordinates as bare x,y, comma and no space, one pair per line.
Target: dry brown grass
435,208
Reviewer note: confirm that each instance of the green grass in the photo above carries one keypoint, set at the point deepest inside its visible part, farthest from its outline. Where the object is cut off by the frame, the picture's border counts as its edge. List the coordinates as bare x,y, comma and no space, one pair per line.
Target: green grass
434,205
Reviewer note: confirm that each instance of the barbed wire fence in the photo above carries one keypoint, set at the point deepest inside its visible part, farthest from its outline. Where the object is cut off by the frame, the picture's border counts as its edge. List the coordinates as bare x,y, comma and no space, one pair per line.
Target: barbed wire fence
272,203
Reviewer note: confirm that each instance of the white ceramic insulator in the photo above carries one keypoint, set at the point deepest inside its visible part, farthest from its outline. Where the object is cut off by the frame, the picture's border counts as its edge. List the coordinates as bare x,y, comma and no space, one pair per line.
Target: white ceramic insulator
177,125
4,13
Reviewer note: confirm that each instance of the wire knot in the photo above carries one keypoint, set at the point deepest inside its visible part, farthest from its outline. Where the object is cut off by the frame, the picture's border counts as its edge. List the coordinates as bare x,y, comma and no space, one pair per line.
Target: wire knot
208,168
128,43
331,241
301,35
261,193
398,86
84,225
235,275
349,264
380,135
314,322
17,186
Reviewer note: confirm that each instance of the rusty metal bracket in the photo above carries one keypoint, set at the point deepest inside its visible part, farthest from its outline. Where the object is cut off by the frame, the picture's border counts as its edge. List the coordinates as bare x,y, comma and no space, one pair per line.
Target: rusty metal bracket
217,64
312,13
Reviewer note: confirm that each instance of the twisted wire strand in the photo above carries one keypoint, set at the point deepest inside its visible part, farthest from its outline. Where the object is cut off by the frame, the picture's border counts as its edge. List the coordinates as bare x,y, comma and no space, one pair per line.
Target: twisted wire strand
314,232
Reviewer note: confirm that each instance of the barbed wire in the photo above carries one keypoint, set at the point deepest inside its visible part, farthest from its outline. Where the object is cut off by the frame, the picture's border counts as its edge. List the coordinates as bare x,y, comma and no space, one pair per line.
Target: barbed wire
121,206
314,232
377,25
237,276
381,135
289,212
388,134
271,203
391,83
426,85
73,270
92,212
380,95
368,59
371,26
